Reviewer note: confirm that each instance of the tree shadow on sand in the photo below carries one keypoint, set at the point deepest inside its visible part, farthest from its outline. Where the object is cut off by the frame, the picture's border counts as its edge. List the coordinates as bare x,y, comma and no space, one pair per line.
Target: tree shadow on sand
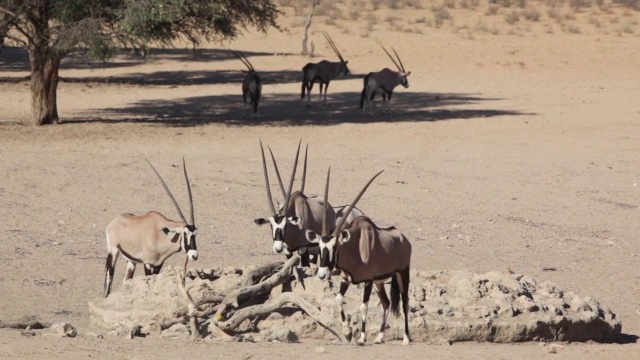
289,110
17,59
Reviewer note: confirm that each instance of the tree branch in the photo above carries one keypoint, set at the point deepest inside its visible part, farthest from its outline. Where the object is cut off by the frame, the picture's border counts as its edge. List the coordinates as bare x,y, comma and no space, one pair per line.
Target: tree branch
284,298
8,12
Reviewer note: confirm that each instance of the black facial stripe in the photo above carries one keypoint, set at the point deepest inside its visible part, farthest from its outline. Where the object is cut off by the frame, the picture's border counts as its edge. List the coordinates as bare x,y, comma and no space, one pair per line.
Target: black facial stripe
324,257
278,235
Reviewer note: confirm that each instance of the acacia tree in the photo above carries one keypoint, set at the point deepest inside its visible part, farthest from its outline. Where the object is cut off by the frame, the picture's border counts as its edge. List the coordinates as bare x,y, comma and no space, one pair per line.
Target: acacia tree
51,29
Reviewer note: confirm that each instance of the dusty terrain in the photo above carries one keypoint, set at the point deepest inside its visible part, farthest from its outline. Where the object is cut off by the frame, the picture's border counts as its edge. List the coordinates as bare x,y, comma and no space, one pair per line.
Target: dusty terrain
515,147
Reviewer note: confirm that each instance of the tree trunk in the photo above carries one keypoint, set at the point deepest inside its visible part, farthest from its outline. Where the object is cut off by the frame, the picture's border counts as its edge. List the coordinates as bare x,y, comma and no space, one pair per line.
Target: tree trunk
44,86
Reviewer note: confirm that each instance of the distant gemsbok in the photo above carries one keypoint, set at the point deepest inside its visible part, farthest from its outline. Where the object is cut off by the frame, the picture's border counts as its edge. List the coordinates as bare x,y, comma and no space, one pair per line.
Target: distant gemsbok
385,80
366,254
298,213
251,84
322,72
149,239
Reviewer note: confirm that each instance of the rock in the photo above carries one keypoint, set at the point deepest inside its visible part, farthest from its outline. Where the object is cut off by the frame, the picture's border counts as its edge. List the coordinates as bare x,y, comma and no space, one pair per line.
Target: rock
320,350
281,335
62,330
176,331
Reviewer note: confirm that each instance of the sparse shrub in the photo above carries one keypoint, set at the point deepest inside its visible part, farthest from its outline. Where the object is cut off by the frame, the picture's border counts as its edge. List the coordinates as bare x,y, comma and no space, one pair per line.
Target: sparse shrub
440,14
375,4
579,4
469,4
569,16
492,10
554,14
632,4
626,29
451,4
595,22
531,14
512,17
554,3
521,3
614,20
421,20
393,4
573,29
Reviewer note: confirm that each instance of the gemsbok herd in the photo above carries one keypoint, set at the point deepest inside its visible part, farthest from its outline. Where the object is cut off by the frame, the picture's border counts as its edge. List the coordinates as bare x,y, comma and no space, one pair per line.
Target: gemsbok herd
323,72
339,241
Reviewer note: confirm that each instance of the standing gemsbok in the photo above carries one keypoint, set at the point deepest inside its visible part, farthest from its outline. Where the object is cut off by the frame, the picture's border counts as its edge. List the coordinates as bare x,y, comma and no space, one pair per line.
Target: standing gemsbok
149,239
385,80
322,72
366,254
251,84
298,213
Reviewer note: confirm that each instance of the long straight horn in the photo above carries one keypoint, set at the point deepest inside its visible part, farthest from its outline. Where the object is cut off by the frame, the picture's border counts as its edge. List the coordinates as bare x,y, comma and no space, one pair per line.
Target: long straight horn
236,54
392,59
325,225
175,203
400,61
293,175
353,204
186,177
304,169
275,165
248,62
266,182
333,45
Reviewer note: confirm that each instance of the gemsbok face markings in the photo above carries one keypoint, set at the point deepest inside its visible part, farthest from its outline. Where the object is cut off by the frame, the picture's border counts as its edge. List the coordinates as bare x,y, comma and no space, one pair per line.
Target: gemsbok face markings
298,213
149,239
323,72
385,80
368,254
251,84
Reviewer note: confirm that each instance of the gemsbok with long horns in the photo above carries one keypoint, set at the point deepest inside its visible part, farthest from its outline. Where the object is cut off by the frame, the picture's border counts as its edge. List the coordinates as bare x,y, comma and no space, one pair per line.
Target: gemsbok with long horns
366,254
292,244
298,213
385,80
149,239
323,72
251,84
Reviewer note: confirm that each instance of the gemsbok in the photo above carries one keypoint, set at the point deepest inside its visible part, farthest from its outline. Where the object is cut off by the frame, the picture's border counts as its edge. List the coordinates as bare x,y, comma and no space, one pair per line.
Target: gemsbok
251,84
385,80
298,213
149,239
322,72
366,254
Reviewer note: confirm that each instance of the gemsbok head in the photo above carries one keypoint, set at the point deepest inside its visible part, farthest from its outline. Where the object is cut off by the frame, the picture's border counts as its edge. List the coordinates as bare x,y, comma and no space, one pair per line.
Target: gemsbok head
149,239
366,254
385,80
323,72
298,212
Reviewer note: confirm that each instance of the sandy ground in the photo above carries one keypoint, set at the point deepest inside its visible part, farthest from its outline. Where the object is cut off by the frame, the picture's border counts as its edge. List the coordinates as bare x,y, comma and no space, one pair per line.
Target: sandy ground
518,150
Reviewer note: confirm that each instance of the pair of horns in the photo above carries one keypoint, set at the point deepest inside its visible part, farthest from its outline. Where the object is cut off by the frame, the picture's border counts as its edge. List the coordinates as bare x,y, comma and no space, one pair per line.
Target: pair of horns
175,203
285,194
333,46
325,225
244,59
400,66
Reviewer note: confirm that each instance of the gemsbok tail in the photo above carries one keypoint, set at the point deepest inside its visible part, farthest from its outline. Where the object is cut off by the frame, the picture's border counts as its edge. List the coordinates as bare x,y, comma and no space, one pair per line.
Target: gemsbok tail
305,80
363,95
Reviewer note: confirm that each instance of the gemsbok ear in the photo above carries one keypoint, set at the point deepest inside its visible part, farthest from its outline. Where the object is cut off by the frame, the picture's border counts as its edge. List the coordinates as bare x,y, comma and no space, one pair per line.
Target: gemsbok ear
409,73
345,235
294,220
261,221
311,236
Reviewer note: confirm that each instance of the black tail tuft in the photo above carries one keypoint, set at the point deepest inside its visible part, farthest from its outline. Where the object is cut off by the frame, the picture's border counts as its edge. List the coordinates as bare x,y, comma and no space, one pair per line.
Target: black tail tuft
395,296
305,80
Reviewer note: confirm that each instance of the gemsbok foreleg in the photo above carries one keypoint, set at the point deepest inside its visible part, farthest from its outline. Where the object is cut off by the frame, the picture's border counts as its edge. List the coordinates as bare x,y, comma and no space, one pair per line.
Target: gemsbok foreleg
346,329
364,309
384,301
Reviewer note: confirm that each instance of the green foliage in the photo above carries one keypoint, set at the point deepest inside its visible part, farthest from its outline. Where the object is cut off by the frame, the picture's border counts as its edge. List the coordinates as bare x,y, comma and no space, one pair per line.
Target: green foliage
100,26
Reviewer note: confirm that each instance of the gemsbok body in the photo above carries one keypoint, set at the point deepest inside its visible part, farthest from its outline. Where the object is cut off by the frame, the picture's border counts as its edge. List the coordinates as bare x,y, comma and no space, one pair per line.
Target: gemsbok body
322,72
298,213
251,84
149,239
385,80
366,254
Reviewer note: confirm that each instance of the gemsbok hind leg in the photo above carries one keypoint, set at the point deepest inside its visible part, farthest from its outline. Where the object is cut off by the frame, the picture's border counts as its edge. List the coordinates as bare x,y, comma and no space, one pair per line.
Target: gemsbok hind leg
403,282
384,300
131,268
364,309
112,259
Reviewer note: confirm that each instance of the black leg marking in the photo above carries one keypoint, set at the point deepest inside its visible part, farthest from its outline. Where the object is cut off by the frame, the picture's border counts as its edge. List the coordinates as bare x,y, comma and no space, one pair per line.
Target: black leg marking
405,277
363,309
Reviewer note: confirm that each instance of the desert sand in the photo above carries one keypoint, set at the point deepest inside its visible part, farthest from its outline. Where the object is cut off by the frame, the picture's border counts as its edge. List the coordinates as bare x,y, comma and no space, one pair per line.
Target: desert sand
516,147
